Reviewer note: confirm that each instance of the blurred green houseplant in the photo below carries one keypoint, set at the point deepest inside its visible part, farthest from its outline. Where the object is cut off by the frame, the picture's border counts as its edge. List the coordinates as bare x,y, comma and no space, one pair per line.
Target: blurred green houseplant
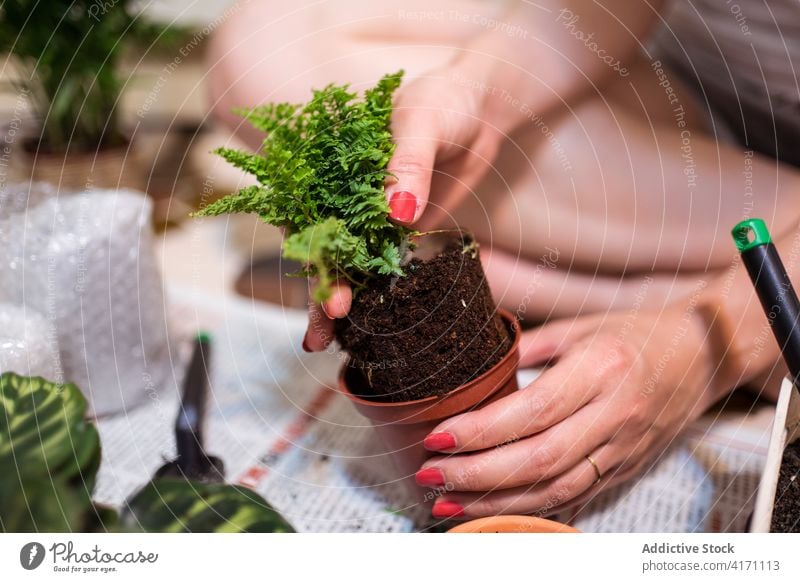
49,457
69,53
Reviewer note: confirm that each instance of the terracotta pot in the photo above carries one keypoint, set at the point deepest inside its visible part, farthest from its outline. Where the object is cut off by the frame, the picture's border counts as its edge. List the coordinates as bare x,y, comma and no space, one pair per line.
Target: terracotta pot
402,426
513,524
118,167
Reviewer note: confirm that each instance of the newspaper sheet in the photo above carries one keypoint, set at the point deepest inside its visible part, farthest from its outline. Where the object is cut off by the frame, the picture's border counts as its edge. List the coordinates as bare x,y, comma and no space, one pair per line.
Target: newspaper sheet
280,428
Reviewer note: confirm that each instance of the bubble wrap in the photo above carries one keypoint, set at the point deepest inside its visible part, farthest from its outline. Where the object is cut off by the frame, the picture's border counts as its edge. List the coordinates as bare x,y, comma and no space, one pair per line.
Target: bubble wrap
21,197
86,263
28,344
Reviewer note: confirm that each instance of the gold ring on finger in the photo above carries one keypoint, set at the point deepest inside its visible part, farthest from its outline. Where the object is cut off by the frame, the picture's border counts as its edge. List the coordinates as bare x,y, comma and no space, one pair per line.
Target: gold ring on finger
596,469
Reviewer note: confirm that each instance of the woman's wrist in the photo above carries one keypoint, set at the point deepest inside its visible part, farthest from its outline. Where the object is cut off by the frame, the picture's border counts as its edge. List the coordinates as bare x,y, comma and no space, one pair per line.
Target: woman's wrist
705,361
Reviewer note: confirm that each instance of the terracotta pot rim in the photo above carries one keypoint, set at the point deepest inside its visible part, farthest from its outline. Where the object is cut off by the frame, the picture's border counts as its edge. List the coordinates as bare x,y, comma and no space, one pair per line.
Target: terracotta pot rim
458,231
513,524
515,329
79,155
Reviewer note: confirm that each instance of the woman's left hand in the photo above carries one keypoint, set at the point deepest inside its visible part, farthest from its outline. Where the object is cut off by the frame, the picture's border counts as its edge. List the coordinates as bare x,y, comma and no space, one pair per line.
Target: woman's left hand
620,390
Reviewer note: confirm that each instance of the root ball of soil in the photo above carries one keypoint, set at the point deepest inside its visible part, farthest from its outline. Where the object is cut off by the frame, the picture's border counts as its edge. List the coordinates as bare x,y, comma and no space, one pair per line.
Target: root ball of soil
426,333
786,514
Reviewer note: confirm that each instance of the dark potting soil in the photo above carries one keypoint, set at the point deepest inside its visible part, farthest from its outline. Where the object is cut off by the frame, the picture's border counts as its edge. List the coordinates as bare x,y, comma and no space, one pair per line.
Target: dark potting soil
786,515
426,333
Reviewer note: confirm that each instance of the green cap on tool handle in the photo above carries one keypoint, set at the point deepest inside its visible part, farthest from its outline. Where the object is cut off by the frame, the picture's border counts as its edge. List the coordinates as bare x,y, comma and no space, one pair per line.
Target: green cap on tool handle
750,233
773,286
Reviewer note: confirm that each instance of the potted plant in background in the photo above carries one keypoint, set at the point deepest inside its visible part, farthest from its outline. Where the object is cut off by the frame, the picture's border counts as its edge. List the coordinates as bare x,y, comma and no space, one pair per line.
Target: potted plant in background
424,338
67,55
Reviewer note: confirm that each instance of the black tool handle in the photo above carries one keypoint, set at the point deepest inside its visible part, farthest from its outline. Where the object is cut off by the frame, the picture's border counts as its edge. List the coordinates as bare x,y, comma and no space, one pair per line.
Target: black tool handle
774,288
189,423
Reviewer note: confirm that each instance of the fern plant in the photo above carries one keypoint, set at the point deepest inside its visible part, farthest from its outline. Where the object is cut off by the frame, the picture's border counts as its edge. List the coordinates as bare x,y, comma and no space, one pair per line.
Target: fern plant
321,173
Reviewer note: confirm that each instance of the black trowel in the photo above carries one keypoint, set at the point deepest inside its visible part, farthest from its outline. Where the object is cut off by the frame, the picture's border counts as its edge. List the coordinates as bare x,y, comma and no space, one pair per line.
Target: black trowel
192,461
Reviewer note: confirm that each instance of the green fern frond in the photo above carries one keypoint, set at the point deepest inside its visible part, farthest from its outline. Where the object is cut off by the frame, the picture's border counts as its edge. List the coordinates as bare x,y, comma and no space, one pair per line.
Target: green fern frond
322,168
247,200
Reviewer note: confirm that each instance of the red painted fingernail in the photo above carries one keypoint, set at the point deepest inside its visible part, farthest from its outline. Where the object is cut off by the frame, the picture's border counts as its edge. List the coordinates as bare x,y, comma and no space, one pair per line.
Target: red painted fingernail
447,509
402,206
305,343
430,477
439,441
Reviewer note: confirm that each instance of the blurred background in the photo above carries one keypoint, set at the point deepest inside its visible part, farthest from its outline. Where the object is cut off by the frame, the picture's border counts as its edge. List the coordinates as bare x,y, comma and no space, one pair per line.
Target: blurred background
129,107
105,150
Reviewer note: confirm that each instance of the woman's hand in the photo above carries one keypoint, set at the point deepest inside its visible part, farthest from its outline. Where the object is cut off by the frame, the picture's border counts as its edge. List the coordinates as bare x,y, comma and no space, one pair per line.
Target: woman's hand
620,390
447,135
448,127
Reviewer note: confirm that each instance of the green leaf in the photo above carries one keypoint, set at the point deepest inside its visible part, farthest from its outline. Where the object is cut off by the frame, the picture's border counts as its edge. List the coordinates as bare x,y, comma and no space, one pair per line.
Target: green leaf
100,518
41,505
49,455
250,199
179,505
43,430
